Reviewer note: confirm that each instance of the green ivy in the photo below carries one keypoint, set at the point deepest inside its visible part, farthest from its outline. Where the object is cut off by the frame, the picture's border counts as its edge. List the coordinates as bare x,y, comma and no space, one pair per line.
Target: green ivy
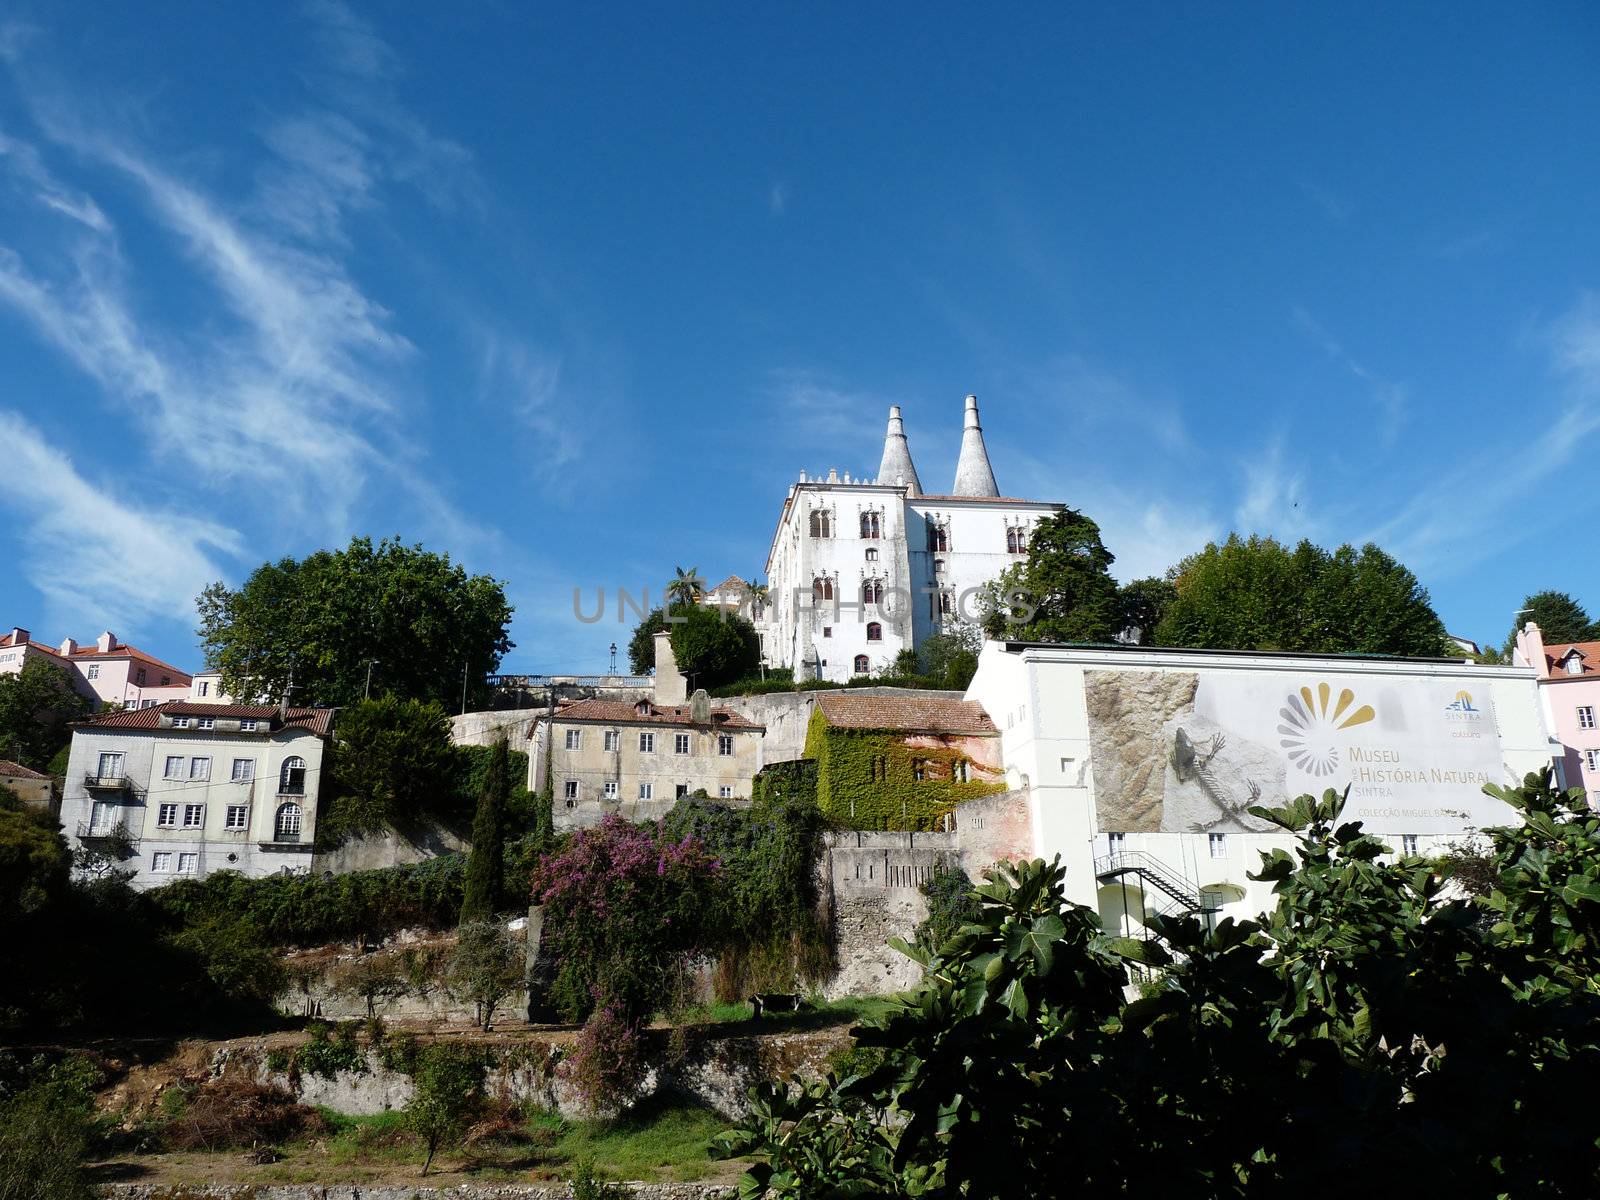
794,780
332,1049
866,779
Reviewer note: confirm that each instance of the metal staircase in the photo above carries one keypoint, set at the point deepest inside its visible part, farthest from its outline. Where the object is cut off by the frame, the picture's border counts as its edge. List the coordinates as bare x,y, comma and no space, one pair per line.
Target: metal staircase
1151,870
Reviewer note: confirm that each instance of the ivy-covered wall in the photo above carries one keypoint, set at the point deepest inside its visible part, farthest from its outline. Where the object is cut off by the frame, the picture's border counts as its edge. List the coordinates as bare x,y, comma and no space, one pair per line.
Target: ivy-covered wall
867,779
792,779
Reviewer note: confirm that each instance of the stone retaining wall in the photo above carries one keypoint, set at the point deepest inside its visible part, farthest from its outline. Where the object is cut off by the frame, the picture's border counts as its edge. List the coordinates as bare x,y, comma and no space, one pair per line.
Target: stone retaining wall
367,1191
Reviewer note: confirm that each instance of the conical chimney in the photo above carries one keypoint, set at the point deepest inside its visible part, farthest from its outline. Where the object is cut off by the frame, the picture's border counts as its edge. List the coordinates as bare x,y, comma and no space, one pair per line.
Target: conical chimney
974,475
896,468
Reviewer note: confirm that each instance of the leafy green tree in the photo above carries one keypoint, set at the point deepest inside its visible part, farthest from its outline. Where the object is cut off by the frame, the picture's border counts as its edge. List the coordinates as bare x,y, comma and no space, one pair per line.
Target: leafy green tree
489,964
391,765
950,658
1374,1010
1560,619
685,587
46,1132
1258,594
714,646
1063,592
1140,606
642,645
418,619
37,707
448,1079
34,861
486,863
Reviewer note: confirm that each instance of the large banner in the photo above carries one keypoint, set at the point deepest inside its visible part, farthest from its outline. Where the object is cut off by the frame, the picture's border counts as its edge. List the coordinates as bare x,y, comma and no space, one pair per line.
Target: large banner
1191,752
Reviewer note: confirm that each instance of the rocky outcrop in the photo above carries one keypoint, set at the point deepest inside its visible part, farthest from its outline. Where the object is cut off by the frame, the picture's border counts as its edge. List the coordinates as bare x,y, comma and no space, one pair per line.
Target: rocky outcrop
1128,716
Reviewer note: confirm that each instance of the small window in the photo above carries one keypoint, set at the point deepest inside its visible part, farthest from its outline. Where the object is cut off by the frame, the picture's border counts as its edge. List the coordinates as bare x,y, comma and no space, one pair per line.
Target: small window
204,689
613,740
244,770
919,769
200,768
194,816
874,631
680,743
206,723
822,588
947,603
725,745
611,789
247,725
110,766
166,681
872,592
938,540
680,791
161,861
238,816
644,791
1016,541
286,827
1116,841
188,864
181,722
574,739
1591,759
570,789
647,745
872,554
1219,845
138,677
871,526
861,664
1586,717
174,768
724,792
960,771
167,816
94,671
1408,844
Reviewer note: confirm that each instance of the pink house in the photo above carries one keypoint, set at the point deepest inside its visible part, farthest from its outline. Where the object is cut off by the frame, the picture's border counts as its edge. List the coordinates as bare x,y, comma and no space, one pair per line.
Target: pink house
107,672
1569,692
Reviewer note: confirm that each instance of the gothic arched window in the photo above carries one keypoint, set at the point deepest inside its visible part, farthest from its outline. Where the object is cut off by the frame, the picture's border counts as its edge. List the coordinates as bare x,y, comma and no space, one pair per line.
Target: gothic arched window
822,588
870,525
1016,542
938,539
286,827
821,525
861,664
874,632
947,603
872,592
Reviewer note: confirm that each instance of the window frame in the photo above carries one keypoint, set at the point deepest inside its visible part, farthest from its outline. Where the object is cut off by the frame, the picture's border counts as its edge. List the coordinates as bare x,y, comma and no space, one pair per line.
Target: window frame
612,741
200,763
569,789
188,862
874,631
612,789
230,825
1586,716
724,745
248,775
646,791
161,862
573,739
166,819
1218,844
194,816
175,767
647,742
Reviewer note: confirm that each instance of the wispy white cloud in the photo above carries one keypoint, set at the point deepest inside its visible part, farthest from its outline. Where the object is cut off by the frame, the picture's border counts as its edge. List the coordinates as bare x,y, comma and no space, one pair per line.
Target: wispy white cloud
1273,496
778,199
1390,397
28,171
525,382
99,559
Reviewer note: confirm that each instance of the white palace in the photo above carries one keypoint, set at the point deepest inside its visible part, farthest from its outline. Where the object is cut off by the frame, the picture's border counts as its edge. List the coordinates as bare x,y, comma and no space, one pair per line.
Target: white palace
862,569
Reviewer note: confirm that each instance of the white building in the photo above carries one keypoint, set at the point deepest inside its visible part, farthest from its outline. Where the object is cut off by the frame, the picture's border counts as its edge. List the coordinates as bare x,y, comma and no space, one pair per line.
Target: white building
862,569
199,787
1142,763
107,672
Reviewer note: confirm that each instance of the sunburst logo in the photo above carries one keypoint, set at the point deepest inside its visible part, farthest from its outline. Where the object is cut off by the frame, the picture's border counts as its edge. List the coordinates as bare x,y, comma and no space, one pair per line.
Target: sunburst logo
1310,727
1461,704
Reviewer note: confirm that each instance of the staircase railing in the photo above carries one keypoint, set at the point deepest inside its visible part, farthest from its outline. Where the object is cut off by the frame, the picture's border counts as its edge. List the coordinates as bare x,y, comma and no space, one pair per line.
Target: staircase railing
1153,871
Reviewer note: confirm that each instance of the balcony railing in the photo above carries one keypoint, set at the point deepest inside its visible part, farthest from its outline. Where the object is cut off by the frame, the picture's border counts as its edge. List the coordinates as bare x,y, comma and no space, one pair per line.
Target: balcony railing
108,783
91,830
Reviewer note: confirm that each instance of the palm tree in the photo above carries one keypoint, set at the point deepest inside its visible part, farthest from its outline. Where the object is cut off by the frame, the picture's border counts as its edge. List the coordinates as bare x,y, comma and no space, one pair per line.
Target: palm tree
685,587
758,597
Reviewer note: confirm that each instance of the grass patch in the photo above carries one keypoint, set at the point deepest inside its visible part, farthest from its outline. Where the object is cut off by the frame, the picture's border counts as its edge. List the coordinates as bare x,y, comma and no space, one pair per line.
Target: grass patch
665,1141
815,1013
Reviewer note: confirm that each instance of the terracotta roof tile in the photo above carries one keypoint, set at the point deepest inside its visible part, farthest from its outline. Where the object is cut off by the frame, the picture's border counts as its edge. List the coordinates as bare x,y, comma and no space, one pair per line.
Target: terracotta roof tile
628,712
909,713
318,720
1555,652
11,770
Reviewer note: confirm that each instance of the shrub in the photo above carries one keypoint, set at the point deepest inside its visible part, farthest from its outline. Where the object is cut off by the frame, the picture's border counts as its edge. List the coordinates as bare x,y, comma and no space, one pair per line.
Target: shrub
606,1065
486,863
586,1185
489,964
326,1056
228,1114
448,1080
45,1135
951,904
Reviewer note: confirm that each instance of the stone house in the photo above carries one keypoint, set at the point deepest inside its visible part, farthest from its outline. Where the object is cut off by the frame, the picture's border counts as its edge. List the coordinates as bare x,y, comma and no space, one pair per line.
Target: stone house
901,761
106,672
1569,697
199,787
34,788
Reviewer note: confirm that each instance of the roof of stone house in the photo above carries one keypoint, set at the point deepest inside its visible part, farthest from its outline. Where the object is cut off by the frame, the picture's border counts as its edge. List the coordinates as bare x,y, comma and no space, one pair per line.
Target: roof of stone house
6,643
11,770
1556,652
910,713
732,584
120,650
643,712
317,720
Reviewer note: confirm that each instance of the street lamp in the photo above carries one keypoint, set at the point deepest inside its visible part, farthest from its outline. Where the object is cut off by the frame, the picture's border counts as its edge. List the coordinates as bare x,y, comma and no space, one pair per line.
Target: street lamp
613,658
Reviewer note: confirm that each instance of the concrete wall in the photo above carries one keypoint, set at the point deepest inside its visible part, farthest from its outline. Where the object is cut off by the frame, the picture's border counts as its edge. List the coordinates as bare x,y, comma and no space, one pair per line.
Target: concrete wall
786,715
387,848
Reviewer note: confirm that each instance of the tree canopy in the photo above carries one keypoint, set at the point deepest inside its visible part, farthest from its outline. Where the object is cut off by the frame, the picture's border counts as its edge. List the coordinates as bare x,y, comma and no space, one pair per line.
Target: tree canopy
642,645
1258,594
37,706
1063,592
392,765
713,646
1560,619
1372,1016
416,618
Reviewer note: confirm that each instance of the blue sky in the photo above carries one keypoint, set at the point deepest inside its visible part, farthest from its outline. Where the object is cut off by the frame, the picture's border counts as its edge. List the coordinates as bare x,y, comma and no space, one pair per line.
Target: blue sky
574,293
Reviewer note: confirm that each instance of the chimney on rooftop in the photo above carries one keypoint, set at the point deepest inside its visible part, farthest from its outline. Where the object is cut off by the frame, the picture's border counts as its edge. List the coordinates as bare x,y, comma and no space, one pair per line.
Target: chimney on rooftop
68,646
107,642
19,636
974,476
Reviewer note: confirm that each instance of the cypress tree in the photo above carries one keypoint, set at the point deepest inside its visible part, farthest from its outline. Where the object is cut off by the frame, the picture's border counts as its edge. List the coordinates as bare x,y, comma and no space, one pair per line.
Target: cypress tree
486,863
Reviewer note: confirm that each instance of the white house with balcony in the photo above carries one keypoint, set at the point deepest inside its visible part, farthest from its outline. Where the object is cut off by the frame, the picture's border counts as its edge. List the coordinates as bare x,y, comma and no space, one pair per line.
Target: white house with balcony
199,787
